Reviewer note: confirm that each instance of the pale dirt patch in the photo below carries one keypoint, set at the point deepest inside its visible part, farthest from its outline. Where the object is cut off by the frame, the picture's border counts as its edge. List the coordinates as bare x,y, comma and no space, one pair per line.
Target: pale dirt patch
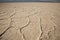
29,21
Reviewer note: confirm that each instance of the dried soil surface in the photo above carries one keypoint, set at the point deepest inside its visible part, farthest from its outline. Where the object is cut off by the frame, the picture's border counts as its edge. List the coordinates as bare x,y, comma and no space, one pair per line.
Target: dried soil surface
29,21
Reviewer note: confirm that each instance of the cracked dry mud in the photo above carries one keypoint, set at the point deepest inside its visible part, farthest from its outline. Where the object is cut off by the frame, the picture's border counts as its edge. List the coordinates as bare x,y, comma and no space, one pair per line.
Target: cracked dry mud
29,21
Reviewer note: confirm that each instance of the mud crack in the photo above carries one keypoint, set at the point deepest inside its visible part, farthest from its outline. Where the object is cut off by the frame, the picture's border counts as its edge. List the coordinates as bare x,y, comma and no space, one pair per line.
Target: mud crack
40,36
10,25
6,29
24,27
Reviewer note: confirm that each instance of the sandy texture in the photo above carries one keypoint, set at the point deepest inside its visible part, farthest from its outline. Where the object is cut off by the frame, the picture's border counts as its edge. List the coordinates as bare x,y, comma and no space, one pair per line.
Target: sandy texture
29,21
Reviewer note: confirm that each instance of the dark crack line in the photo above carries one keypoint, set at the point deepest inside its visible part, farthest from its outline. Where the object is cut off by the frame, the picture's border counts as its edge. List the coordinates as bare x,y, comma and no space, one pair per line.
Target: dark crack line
23,28
25,25
5,30
8,27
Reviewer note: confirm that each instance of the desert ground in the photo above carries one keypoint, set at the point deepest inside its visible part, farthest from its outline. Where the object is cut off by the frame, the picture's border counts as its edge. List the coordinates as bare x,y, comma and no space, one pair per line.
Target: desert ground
29,21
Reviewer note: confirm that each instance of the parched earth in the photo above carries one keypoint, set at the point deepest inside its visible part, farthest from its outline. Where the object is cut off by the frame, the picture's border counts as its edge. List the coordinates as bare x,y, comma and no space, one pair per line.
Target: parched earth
30,21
